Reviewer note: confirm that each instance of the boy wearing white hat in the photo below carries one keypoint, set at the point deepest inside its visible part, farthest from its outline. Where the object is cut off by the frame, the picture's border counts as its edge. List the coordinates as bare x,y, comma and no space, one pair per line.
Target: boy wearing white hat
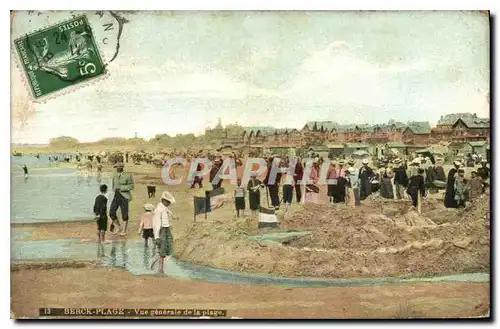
146,225
161,227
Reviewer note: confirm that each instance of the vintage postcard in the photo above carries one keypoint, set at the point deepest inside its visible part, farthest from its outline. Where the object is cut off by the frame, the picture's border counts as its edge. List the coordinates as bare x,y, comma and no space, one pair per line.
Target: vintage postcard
250,164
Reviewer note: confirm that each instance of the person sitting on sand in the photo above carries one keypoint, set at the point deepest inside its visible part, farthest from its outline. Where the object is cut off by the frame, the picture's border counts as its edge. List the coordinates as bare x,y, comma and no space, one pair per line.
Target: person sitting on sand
100,211
146,225
161,228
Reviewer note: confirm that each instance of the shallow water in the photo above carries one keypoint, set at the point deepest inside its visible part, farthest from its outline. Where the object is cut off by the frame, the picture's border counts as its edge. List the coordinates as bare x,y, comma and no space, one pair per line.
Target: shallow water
52,194
136,258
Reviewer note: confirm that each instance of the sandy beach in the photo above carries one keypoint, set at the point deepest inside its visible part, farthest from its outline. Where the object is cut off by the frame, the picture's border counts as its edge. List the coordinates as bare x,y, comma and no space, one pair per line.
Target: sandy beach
220,242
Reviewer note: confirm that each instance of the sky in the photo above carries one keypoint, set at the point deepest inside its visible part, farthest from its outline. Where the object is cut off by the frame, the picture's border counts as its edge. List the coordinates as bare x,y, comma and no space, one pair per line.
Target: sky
178,72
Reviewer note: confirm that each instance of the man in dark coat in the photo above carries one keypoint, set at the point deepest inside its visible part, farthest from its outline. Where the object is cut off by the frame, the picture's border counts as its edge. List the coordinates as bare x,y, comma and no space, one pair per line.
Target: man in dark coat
449,197
416,186
366,175
484,171
400,178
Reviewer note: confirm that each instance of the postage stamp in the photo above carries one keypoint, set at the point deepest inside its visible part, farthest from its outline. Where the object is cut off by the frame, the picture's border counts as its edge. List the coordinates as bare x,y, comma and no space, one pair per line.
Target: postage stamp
59,56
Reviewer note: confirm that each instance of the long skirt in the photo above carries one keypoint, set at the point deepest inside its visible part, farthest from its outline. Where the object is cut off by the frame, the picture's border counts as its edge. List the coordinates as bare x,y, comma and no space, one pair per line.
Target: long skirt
254,200
165,243
386,189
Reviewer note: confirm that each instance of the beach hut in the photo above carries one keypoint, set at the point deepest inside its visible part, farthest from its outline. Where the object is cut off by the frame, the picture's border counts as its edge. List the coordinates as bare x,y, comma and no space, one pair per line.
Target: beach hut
335,150
478,147
321,151
395,148
350,148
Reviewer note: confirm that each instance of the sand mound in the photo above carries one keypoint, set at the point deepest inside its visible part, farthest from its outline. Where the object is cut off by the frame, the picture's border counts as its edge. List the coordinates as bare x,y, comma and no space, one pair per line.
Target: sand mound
379,238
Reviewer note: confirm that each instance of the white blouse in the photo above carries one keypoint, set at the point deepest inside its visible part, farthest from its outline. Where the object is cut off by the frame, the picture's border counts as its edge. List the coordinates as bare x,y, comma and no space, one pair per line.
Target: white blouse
161,218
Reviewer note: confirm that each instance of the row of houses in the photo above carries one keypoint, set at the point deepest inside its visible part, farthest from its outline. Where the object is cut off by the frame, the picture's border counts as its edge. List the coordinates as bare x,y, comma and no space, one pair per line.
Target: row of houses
459,128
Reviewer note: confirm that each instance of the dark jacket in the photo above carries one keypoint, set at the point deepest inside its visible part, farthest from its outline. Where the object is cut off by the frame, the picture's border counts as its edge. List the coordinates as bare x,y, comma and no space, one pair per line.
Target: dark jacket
100,206
400,176
484,173
415,184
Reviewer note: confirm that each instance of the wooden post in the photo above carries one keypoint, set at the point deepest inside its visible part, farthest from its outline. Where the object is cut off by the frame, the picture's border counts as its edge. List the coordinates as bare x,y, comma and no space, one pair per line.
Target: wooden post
419,202
194,211
352,197
207,200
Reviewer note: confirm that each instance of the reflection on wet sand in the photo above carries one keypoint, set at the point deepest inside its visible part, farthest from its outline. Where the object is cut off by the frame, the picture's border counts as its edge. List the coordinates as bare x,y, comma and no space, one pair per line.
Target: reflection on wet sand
135,257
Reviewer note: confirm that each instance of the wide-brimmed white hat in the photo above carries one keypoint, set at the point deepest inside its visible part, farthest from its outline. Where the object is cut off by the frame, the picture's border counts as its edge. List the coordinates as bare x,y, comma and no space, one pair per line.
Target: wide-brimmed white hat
365,161
397,161
416,161
457,163
484,161
168,196
149,206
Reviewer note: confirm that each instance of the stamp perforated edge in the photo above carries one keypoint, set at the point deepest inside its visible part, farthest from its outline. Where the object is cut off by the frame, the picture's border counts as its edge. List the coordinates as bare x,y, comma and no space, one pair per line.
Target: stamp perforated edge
66,90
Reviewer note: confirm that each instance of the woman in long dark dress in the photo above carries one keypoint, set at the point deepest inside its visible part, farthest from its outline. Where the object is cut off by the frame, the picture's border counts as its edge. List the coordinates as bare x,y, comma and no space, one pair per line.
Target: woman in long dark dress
254,186
449,197
366,174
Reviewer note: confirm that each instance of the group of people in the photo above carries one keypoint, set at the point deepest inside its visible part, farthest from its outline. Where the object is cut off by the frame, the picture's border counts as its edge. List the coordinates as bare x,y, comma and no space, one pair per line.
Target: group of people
460,190
346,182
155,221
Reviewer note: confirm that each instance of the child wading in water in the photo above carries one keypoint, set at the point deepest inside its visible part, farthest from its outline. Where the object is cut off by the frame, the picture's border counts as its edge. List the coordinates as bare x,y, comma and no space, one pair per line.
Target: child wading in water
146,226
239,199
100,211
161,228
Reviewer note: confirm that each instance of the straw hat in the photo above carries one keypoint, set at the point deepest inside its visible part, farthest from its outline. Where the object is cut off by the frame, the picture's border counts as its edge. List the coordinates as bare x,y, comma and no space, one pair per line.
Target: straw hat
484,161
457,163
365,161
167,196
119,165
149,206
351,162
341,162
397,160
416,161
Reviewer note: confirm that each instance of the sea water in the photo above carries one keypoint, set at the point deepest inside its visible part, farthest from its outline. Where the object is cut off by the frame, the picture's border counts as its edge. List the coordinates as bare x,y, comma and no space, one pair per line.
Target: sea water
50,193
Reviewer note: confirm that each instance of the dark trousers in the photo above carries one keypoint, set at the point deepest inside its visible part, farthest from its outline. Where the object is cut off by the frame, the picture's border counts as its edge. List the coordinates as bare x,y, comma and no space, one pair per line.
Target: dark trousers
273,193
414,191
298,192
122,202
287,193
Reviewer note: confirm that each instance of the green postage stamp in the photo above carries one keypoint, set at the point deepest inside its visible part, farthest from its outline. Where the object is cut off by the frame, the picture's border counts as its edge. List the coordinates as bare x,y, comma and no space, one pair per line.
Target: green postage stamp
59,56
